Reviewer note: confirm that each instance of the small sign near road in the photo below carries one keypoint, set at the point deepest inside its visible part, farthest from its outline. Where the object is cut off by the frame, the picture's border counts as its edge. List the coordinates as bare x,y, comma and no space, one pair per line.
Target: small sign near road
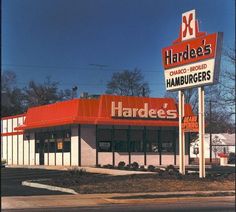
190,124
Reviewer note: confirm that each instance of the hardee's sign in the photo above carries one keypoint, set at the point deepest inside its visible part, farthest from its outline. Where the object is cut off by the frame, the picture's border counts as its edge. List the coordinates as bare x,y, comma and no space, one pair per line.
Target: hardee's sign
194,58
118,111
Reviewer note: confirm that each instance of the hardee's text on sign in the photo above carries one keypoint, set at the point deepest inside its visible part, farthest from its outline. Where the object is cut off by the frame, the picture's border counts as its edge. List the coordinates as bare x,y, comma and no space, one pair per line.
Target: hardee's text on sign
118,111
192,62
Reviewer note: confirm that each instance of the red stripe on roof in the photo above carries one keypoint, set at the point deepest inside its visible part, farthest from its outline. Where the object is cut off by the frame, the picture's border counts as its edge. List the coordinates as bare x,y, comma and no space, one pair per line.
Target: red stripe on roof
12,133
97,111
12,117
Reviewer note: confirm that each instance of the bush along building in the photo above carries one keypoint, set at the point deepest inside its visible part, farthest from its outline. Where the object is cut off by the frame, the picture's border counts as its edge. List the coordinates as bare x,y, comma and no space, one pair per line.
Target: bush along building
88,132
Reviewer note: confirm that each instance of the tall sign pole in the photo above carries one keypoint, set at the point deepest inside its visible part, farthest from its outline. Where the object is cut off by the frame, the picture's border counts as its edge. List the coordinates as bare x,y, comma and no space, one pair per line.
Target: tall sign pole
201,118
192,61
181,134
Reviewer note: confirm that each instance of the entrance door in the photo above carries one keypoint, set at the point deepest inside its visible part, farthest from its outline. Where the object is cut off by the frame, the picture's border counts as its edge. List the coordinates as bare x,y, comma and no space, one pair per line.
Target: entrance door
41,151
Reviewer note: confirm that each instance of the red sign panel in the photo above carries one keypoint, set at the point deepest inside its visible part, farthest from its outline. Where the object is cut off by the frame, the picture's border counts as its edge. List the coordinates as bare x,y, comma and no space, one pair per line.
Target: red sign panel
190,51
190,124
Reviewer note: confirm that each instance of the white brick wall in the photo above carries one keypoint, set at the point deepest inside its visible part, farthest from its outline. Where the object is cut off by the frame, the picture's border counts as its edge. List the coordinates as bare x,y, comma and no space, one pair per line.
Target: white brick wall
59,159
4,126
20,143
137,157
88,145
104,158
26,152
74,145
121,157
66,159
153,159
15,153
15,123
32,149
52,159
4,147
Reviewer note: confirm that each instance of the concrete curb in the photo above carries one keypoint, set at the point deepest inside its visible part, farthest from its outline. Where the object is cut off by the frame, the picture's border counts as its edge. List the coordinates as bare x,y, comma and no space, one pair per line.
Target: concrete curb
48,187
95,170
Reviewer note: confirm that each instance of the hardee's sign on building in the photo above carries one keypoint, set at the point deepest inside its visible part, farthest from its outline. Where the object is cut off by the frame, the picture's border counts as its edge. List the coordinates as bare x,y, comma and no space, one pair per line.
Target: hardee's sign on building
145,112
194,58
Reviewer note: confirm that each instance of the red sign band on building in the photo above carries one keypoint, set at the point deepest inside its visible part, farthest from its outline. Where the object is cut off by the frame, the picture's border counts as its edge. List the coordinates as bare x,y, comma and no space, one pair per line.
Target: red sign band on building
108,109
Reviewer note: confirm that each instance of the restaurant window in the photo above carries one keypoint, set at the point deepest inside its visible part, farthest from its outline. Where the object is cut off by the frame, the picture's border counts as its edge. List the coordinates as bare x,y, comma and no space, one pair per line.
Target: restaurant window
120,140
121,146
46,145
104,146
56,141
59,141
37,143
67,141
136,140
59,145
167,141
152,141
104,138
52,142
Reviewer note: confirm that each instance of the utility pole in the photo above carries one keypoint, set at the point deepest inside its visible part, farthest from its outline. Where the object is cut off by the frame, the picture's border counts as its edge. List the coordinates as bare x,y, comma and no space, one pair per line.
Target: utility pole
143,91
74,89
210,134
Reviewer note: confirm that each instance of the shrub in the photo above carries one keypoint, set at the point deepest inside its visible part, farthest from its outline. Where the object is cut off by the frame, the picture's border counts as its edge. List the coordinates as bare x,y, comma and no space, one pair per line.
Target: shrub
142,168
127,167
108,166
171,168
231,176
151,168
134,165
232,158
157,170
98,166
77,171
3,161
160,171
121,165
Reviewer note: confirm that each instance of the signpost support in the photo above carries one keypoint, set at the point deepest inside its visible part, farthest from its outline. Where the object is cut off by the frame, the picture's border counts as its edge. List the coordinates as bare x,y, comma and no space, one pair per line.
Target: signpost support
201,118
181,134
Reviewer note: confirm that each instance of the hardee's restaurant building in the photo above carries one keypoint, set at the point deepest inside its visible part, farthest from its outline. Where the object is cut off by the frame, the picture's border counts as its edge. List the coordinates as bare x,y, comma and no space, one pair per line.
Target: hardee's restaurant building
88,132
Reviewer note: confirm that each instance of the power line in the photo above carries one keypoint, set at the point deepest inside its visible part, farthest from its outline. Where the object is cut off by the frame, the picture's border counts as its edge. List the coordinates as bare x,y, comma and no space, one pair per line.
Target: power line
96,67
85,84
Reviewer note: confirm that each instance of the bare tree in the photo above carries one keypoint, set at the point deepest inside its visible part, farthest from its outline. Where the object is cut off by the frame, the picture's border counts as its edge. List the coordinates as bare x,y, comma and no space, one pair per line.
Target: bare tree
217,148
228,81
128,83
8,80
11,95
44,93
190,97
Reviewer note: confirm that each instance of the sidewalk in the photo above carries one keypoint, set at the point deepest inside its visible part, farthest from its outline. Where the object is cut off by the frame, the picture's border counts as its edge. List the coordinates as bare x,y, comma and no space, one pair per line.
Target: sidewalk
94,169
86,200
88,169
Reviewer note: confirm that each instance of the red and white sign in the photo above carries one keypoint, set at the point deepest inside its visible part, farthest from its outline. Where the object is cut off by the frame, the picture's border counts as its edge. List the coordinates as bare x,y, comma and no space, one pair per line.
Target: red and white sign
188,25
194,58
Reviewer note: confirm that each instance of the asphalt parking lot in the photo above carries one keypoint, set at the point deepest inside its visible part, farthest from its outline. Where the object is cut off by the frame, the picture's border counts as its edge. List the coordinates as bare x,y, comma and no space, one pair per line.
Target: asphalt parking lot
11,179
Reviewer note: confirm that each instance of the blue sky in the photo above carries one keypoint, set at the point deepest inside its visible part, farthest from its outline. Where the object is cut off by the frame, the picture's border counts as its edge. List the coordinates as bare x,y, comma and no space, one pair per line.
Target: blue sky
61,38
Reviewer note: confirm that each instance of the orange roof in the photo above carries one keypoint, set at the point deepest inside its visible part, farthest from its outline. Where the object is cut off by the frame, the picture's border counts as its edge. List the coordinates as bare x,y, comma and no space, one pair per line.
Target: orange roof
98,111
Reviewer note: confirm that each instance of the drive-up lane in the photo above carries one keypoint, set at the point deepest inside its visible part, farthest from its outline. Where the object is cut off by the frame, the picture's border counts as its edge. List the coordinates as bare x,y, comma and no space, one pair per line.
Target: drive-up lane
11,179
